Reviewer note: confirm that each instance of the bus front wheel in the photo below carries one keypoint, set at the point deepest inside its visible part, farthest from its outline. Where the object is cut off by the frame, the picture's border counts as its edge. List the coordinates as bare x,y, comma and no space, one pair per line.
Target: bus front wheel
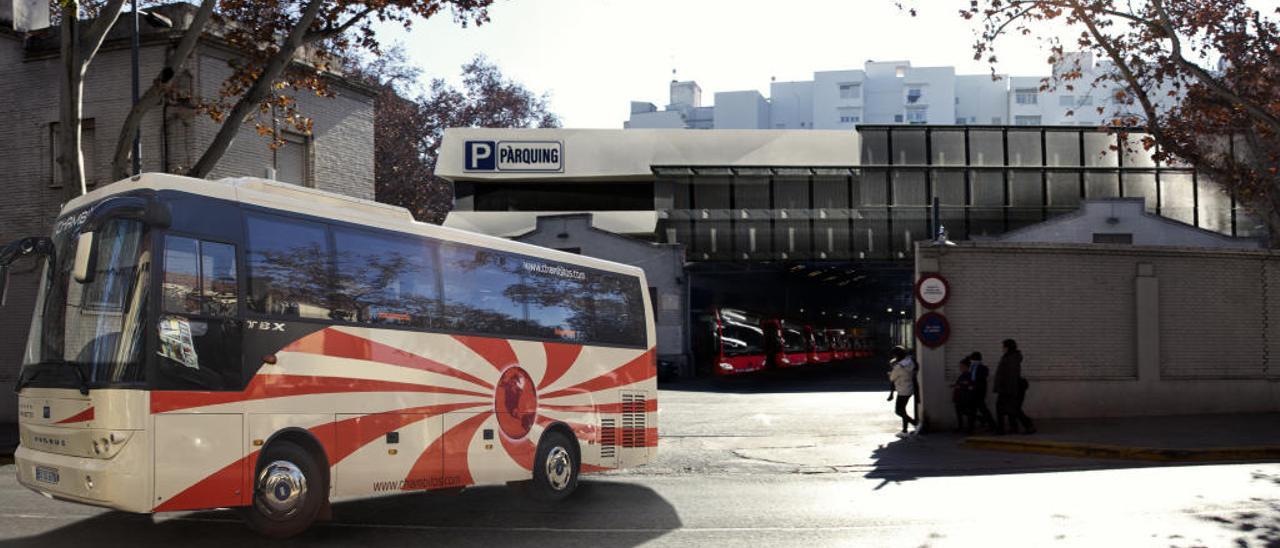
288,491
555,470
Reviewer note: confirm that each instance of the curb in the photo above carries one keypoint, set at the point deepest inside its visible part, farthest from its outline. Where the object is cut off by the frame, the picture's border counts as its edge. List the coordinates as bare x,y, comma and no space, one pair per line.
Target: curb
1154,454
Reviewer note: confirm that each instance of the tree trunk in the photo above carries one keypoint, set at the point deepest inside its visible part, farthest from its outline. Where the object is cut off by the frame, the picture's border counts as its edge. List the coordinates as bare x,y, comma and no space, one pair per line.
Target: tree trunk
70,160
154,96
256,93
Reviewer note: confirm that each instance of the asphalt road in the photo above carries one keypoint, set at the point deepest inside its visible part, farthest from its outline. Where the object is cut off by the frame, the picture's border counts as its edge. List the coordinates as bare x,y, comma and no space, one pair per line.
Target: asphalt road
794,460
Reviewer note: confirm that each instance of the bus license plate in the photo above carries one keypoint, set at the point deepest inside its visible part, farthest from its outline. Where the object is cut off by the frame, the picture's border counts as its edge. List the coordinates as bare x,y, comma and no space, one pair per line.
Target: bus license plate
47,475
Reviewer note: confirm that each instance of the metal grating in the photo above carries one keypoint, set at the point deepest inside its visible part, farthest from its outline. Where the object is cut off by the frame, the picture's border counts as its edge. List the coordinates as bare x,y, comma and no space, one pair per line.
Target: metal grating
633,420
608,438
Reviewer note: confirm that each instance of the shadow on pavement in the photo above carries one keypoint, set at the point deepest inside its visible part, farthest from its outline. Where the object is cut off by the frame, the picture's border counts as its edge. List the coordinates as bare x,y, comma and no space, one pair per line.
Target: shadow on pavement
1254,528
619,514
851,376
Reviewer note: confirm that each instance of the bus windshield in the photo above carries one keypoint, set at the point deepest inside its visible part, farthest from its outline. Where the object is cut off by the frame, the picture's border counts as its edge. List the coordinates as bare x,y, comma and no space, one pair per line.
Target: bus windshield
741,338
90,333
792,340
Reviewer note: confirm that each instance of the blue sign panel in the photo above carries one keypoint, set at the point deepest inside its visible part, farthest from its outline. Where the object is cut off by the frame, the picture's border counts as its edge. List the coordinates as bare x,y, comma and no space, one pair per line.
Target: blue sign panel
932,329
480,156
515,156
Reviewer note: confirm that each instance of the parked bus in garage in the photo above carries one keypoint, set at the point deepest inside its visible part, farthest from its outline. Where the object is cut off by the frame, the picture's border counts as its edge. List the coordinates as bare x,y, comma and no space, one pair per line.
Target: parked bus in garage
819,347
839,340
862,343
788,346
730,342
259,345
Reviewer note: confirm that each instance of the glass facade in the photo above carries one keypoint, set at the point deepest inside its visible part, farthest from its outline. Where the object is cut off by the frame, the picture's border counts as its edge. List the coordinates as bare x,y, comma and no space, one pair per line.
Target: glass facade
988,180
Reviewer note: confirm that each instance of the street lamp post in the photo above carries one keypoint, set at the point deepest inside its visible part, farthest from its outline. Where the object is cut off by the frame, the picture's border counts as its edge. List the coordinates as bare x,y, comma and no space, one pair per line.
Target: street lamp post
137,134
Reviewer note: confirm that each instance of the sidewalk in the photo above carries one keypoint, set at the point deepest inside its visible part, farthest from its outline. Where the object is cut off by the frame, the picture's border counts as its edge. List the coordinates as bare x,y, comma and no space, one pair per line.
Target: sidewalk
1187,438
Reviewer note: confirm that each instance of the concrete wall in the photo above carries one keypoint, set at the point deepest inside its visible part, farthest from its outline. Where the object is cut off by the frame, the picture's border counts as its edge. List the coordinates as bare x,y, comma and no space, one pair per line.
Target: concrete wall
663,266
981,99
1111,331
827,102
1119,216
741,110
791,105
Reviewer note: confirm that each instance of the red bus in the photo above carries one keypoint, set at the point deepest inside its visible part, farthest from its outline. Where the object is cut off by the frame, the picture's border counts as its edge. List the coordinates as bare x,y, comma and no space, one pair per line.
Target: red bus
819,346
730,342
787,344
840,349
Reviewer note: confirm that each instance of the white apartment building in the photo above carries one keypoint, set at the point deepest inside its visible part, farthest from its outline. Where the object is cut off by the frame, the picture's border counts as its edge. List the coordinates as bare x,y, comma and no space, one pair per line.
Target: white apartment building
891,92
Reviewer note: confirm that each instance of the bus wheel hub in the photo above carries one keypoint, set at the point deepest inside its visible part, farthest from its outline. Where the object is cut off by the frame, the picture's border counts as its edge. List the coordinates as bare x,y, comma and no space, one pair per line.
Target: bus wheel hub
282,488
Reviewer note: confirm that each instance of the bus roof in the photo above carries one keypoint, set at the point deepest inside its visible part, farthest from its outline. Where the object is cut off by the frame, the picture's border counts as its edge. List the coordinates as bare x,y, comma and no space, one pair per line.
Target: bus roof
329,205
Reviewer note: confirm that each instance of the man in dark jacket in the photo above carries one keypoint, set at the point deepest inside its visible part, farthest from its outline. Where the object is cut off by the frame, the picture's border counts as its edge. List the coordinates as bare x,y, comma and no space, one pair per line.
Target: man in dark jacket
978,373
1009,391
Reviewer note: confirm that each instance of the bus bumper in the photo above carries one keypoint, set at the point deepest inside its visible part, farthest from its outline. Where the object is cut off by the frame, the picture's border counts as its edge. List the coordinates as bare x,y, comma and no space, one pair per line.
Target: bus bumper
118,483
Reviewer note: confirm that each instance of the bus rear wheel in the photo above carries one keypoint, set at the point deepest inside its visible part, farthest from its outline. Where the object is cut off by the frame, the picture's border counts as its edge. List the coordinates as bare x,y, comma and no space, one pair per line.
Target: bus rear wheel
555,469
288,491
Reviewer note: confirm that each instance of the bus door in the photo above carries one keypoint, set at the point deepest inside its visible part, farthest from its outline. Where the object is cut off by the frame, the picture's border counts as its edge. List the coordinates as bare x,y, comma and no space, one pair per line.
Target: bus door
198,350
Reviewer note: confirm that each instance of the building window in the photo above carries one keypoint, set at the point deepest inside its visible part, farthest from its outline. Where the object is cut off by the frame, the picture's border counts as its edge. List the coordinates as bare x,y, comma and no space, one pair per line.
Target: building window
88,148
1066,101
1085,100
850,91
996,120
1104,238
914,94
293,159
917,116
897,118
960,121
1026,120
850,115
900,72
1026,96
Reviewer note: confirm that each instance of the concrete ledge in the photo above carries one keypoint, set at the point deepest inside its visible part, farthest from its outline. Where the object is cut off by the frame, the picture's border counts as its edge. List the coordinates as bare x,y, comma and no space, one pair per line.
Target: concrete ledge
1101,451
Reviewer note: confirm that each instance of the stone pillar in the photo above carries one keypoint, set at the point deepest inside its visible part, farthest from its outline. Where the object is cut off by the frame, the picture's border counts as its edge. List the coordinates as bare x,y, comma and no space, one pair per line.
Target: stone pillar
1147,316
935,397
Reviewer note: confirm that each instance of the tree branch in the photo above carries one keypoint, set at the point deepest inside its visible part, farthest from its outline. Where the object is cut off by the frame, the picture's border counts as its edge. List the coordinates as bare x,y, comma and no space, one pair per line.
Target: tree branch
1125,71
97,32
256,93
1202,75
154,95
332,32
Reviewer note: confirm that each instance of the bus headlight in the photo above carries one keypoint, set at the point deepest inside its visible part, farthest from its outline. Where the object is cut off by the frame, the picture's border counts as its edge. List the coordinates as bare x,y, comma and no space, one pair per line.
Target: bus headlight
726,367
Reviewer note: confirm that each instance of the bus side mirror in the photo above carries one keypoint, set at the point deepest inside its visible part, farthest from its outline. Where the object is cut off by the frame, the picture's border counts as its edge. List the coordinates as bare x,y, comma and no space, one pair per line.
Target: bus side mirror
86,257
4,284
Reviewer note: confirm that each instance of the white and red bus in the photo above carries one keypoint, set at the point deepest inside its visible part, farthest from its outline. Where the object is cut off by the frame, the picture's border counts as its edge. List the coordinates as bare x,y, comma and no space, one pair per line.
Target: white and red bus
247,343
730,341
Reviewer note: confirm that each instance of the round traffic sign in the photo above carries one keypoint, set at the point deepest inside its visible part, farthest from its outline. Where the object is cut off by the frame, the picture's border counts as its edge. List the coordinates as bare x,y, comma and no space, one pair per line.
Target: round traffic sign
932,329
932,290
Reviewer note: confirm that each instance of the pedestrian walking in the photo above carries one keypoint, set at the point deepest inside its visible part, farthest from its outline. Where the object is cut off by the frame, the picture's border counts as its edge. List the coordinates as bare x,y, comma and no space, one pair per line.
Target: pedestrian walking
978,374
1010,389
962,396
902,381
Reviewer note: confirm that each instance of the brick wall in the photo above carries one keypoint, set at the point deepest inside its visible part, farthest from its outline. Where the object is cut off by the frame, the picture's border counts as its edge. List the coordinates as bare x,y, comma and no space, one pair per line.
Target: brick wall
1112,330
342,151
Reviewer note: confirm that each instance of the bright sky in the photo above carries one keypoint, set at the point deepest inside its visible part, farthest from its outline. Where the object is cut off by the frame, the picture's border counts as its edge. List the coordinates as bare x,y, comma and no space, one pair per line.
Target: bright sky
594,56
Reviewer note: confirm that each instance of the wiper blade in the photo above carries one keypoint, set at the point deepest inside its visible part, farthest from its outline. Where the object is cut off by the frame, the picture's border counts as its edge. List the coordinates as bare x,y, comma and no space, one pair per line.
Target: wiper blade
80,376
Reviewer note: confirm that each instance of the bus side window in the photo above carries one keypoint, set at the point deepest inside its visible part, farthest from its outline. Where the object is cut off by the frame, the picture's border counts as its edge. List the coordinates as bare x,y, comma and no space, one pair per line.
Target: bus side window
198,331
385,279
199,277
289,272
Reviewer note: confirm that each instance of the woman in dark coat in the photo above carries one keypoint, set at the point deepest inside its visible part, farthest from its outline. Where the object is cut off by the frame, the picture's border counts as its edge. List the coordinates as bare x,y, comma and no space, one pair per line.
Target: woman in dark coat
1010,391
